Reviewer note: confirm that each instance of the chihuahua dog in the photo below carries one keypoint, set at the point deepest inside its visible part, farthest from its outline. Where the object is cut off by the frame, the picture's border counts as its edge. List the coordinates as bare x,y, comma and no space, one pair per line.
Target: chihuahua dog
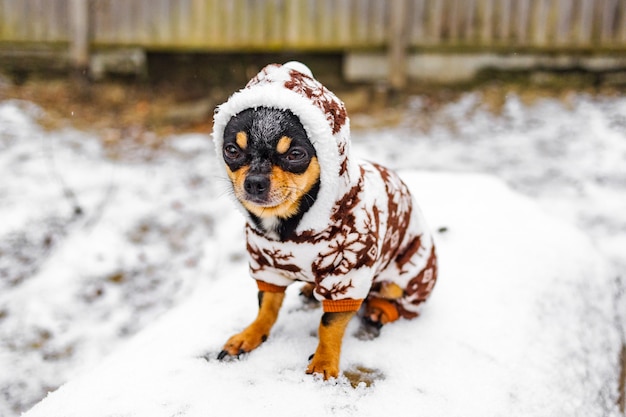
349,229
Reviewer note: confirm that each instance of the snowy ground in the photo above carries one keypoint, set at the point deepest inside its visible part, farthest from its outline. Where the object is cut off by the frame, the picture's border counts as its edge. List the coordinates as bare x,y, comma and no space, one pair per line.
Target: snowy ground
155,230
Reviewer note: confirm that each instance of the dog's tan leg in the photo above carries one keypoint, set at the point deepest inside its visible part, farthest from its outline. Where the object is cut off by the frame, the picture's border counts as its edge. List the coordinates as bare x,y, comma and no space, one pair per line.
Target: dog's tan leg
257,332
325,361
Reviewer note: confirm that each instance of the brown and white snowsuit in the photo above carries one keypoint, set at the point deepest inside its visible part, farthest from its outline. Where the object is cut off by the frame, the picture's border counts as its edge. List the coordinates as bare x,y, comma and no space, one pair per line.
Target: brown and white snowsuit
363,231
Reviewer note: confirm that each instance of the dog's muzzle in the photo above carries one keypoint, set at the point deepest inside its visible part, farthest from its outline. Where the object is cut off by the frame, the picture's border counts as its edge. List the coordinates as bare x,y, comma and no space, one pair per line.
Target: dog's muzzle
257,188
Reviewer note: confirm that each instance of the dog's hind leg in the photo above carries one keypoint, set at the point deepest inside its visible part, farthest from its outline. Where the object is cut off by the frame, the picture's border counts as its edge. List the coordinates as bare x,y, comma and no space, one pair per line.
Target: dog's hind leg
379,310
257,332
325,361
307,295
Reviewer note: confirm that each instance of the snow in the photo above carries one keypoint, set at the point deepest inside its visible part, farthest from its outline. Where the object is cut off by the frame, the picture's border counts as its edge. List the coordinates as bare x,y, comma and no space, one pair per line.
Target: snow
132,300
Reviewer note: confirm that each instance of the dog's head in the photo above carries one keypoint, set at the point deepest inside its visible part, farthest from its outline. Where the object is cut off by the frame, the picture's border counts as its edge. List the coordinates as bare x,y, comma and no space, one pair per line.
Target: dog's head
271,163
284,141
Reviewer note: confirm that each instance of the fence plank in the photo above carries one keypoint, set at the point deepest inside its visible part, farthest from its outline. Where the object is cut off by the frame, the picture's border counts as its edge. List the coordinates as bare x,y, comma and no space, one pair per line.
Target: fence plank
466,16
540,20
79,47
322,24
344,13
398,32
504,20
378,21
24,10
453,20
609,15
486,19
522,22
564,19
621,37
436,21
4,20
585,22
417,27
60,21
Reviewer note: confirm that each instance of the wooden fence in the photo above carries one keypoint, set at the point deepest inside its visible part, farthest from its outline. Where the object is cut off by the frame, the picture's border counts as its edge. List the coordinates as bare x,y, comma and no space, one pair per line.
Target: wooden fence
319,25
396,26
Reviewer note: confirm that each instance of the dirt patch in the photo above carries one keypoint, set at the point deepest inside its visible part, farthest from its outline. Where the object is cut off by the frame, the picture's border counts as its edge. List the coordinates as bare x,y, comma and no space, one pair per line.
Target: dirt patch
360,375
116,105
180,91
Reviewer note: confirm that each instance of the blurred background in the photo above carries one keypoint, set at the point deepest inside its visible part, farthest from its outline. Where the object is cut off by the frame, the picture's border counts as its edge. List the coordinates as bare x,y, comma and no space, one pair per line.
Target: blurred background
109,205
198,51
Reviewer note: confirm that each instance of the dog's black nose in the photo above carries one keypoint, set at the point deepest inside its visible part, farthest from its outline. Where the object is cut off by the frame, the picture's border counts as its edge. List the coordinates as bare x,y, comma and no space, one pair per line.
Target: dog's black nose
256,185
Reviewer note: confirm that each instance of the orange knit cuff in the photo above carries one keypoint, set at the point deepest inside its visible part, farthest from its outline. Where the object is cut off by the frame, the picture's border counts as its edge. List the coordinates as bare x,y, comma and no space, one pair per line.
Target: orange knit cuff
386,307
267,287
341,306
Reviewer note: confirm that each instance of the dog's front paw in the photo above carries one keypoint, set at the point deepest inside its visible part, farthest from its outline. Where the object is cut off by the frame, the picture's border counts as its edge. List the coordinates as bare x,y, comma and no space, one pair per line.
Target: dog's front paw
243,342
325,365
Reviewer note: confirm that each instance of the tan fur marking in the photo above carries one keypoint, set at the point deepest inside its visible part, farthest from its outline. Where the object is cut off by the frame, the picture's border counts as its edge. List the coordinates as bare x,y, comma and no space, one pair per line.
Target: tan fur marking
391,291
287,189
237,178
242,140
259,330
326,358
283,144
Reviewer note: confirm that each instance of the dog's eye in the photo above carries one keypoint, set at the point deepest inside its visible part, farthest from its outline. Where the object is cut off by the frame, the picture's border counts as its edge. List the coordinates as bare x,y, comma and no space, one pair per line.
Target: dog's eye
231,152
296,154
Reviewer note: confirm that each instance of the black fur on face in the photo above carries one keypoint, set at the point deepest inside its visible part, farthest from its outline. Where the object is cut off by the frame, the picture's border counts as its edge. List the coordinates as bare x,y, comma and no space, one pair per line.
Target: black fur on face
273,166
264,127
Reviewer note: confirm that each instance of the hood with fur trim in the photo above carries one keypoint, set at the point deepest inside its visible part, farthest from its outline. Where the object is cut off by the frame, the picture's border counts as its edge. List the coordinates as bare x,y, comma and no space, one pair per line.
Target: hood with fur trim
292,87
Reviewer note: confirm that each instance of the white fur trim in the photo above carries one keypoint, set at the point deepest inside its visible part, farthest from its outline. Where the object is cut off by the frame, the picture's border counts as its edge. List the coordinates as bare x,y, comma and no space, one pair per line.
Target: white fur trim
300,67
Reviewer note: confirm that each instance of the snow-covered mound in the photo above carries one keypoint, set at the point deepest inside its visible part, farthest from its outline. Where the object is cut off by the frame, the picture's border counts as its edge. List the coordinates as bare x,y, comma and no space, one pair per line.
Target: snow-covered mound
521,320
520,324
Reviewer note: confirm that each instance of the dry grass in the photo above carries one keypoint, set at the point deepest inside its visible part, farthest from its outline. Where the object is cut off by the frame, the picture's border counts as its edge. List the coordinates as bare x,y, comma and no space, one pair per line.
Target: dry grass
146,113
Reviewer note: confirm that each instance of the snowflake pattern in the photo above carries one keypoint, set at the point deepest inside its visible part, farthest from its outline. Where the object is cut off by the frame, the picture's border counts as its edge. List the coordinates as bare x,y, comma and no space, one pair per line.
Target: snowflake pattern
352,241
399,209
320,96
336,289
419,288
333,108
264,258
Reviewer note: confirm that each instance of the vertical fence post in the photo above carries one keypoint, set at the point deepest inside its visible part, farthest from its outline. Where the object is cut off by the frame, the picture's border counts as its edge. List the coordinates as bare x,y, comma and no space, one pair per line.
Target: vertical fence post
79,43
398,42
